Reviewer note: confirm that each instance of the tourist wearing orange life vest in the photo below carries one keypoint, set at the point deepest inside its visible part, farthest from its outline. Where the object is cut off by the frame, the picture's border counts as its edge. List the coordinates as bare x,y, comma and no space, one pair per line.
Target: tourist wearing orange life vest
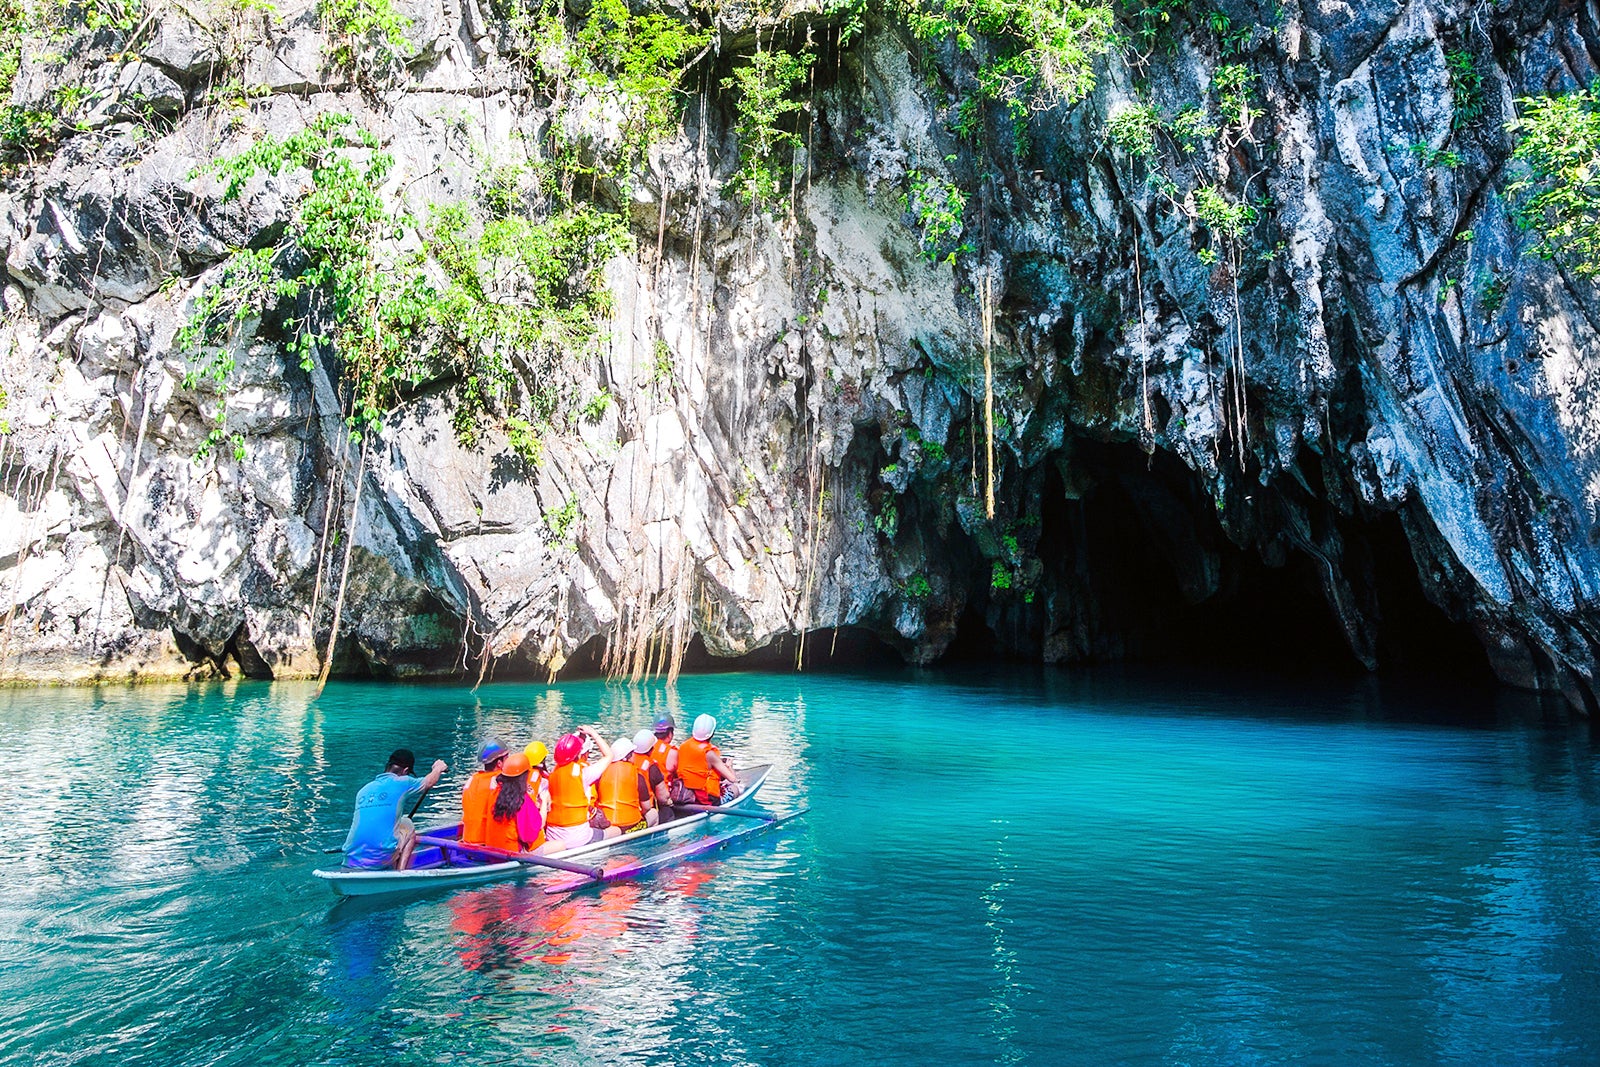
644,743
664,754
702,768
571,787
477,796
625,797
515,823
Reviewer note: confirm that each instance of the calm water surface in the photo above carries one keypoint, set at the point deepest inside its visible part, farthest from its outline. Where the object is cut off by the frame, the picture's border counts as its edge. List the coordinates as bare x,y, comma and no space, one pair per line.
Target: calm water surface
1023,868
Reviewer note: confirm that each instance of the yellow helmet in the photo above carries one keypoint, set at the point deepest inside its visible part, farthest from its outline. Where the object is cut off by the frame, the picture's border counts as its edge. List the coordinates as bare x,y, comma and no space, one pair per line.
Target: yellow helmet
536,752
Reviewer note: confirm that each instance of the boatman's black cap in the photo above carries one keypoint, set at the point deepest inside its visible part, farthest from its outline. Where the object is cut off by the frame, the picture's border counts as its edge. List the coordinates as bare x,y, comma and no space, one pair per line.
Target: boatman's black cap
403,758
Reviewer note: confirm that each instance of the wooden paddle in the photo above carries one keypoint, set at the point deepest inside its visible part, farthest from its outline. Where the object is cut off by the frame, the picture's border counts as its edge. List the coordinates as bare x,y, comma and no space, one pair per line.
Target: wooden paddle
504,854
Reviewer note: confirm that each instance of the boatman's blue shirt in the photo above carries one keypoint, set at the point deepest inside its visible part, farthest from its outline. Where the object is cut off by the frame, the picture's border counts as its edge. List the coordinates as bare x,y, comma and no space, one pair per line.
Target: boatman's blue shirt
371,841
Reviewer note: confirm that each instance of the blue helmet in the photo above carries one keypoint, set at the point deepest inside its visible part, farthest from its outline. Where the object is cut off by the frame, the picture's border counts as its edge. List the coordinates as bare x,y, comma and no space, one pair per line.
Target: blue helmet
491,751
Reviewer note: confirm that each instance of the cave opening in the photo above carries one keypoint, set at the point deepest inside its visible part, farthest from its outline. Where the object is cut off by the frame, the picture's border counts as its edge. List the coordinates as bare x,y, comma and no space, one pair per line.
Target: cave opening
1416,637
1138,568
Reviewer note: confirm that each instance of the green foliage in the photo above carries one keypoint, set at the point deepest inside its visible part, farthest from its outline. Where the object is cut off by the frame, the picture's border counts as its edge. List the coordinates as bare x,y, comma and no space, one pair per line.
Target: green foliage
1429,156
1039,52
765,85
23,131
28,131
661,370
851,16
520,291
918,587
887,521
1234,84
1492,289
1191,128
1217,213
1557,193
520,296
999,576
501,190
643,57
369,36
246,287
594,409
1133,128
1155,22
1466,87
937,206
528,444
1231,39
933,451
561,521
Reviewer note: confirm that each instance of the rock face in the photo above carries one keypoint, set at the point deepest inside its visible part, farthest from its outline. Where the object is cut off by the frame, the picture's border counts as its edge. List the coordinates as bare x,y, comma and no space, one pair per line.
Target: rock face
1375,411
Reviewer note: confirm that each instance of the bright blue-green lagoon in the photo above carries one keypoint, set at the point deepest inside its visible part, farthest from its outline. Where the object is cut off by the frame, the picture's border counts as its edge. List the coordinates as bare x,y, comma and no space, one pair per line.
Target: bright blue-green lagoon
998,867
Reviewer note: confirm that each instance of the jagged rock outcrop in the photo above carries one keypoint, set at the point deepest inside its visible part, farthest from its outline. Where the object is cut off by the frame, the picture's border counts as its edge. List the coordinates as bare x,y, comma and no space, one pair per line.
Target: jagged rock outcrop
791,433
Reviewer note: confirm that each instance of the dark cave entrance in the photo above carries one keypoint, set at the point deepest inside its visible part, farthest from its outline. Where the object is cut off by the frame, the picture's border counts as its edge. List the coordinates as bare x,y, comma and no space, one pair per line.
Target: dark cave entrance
1137,568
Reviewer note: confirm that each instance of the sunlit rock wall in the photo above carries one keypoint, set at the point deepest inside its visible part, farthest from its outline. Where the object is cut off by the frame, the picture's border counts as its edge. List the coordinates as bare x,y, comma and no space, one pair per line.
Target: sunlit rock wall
796,440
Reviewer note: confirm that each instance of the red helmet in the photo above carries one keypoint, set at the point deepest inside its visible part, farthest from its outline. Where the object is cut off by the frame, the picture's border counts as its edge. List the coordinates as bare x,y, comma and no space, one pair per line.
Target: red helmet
568,749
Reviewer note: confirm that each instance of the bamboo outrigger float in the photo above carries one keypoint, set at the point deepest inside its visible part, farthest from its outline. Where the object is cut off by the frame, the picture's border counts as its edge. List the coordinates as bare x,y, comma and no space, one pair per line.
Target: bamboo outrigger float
441,861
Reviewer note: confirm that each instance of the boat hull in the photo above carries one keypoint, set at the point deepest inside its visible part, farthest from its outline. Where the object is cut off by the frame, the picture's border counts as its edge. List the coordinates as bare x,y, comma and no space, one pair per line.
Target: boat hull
435,870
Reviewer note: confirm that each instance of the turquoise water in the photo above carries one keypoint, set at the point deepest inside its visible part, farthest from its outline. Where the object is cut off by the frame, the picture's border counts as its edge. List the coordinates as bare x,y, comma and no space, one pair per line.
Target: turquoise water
1027,868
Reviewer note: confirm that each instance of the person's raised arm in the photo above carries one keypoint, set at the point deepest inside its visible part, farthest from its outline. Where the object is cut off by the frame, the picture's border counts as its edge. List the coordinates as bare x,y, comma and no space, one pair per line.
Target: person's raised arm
593,771
439,767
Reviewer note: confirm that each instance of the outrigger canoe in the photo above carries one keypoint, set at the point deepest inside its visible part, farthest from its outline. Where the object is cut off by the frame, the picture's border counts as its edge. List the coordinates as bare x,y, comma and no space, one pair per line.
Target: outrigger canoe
436,867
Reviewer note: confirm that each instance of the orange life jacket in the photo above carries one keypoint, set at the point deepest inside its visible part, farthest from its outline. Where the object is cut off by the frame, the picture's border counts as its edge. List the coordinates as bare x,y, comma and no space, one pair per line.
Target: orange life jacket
569,797
658,755
477,801
642,762
504,834
694,768
619,794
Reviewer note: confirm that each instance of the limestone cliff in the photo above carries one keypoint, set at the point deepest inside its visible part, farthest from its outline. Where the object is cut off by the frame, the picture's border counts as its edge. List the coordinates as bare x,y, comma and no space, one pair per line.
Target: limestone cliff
781,428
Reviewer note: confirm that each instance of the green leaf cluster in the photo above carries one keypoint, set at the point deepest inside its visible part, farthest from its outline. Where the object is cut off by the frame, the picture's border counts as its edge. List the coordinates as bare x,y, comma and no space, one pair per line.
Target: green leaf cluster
368,36
1220,214
499,305
1556,196
1133,129
644,58
937,206
1034,53
765,86
1466,87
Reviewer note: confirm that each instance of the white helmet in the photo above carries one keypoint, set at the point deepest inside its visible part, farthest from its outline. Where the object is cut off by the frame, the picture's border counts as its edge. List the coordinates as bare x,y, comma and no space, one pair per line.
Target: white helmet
704,727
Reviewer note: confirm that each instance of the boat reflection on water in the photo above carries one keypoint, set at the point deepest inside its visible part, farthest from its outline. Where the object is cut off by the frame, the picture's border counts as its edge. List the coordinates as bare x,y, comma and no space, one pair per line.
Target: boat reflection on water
510,927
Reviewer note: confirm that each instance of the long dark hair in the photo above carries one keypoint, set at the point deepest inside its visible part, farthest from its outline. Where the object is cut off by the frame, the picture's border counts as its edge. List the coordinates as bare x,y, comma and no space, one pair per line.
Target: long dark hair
508,799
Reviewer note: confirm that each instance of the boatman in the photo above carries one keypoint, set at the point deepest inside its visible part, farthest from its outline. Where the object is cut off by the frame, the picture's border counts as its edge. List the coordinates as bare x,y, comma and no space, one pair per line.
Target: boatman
702,768
381,834
477,796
